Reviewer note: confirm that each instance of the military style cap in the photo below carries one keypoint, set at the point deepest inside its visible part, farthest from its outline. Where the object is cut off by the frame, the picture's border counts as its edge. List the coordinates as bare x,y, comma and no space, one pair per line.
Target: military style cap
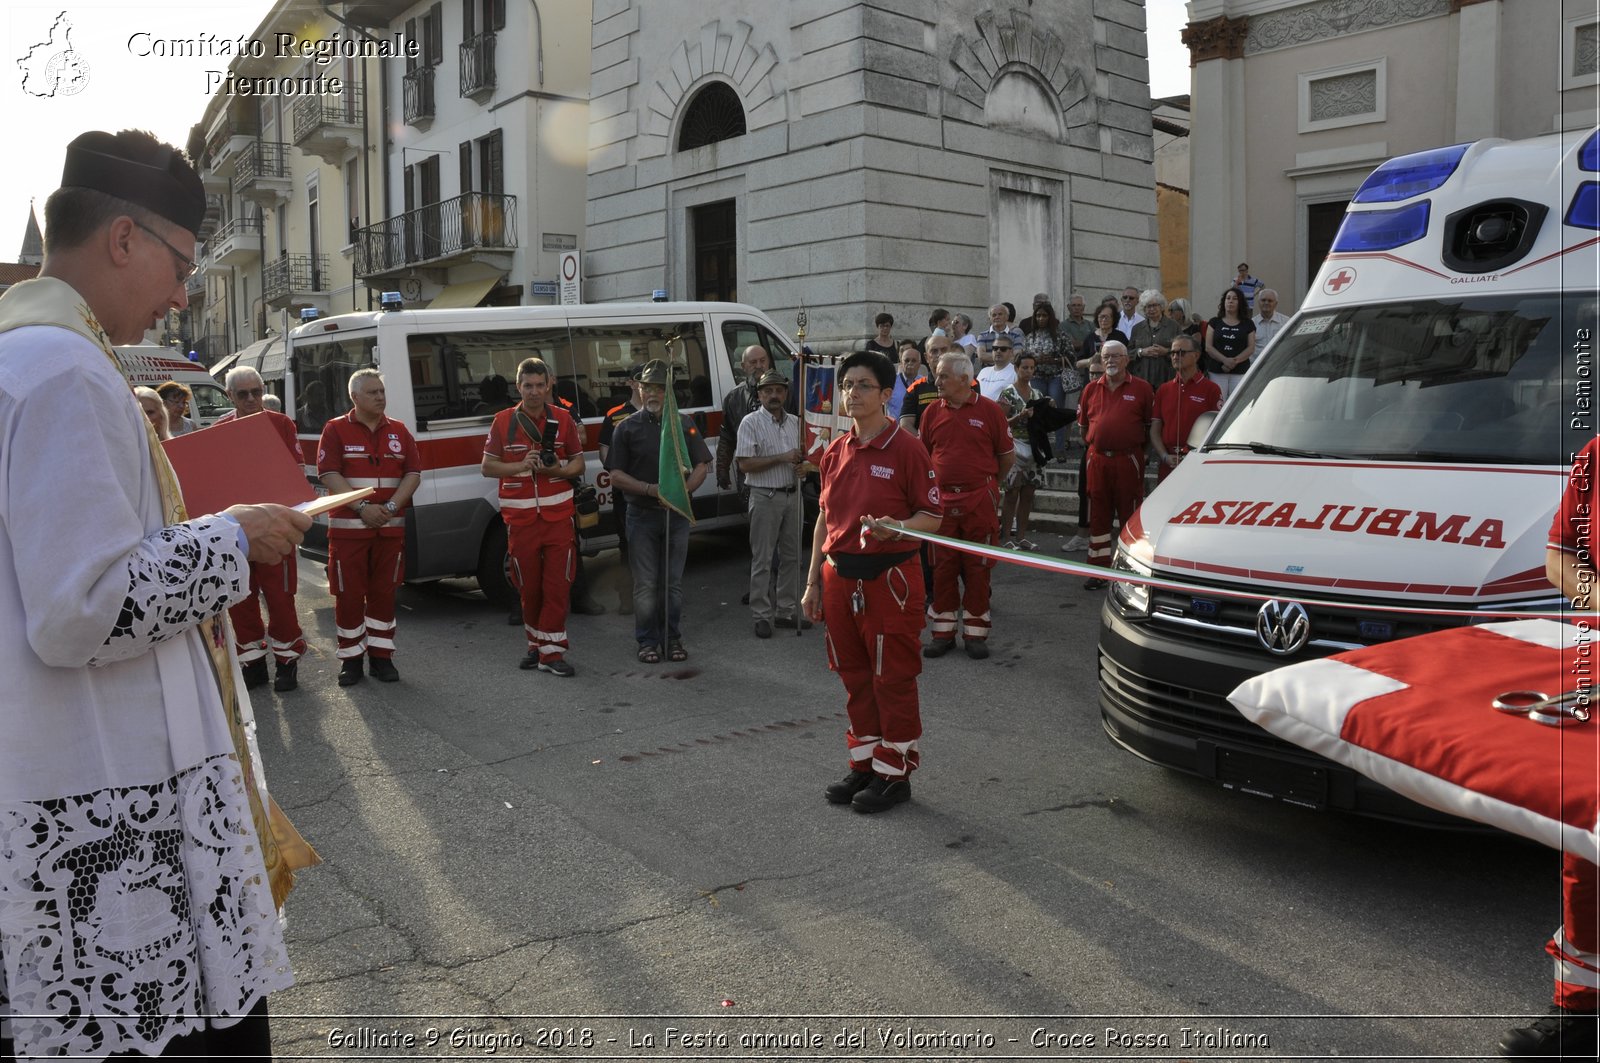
655,371
169,186
771,376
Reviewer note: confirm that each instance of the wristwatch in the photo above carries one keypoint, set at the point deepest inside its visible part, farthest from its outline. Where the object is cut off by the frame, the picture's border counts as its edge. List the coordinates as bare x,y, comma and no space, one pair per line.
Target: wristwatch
359,505
390,508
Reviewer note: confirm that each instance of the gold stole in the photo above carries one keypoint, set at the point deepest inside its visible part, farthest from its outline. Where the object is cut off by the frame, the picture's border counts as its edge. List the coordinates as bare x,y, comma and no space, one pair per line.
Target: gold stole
47,301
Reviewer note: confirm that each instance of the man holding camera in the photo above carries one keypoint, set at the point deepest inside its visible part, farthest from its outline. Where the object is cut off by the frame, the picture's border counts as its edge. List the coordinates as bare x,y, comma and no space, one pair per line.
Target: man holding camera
536,453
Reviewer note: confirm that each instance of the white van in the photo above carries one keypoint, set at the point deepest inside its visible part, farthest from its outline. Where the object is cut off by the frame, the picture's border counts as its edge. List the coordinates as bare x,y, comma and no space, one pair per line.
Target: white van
149,366
1403,443
447,372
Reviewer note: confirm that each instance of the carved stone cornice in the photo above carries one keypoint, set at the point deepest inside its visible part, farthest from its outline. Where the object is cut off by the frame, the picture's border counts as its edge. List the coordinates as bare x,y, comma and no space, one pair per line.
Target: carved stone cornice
1457,5
1216,38
1324,19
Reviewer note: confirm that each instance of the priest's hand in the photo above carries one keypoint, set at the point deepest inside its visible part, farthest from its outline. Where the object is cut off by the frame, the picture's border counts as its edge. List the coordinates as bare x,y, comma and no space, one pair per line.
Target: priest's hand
273,531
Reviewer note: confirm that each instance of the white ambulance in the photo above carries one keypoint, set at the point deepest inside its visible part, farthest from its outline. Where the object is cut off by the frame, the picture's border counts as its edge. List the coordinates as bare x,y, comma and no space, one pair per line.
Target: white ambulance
447,372
1404,443
149,366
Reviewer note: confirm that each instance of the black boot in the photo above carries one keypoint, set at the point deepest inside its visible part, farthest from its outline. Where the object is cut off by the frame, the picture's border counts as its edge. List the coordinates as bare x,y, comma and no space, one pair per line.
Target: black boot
288,677
255,674
350,672
1561,1034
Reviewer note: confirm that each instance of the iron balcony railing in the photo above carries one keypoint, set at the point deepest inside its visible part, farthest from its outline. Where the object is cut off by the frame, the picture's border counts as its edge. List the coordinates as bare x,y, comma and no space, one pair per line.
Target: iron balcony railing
470,222
311,113
418,95
477,65
262,159
234,228
290,274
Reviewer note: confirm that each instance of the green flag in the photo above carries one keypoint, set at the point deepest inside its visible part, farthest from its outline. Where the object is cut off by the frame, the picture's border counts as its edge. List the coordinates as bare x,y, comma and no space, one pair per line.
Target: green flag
674,462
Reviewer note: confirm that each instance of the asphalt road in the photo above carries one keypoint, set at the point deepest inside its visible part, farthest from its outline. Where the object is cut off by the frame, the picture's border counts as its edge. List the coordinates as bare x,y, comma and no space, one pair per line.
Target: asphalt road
523,866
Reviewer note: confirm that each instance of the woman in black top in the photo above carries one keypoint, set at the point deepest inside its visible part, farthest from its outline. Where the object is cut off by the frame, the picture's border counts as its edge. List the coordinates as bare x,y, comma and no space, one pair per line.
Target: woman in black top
1230,340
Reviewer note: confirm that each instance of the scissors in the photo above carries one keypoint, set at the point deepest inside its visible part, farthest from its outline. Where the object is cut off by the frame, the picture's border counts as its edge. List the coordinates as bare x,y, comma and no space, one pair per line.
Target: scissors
1563,710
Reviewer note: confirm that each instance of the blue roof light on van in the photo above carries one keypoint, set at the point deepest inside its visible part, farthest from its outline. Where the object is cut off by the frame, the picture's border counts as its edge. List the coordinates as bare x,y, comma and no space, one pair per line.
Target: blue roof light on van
1410,175
1380,230
1589,154
1584,213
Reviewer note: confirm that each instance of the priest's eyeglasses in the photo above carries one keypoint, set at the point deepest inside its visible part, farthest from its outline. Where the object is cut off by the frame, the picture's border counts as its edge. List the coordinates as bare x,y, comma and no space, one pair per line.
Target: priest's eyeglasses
186,265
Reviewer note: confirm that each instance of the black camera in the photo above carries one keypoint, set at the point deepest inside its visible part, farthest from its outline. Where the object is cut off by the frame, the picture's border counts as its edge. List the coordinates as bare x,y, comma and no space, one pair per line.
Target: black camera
547,446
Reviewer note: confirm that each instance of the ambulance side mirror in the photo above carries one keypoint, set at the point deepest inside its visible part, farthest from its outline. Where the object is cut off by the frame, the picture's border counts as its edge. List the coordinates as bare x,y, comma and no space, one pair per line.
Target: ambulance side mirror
1202,426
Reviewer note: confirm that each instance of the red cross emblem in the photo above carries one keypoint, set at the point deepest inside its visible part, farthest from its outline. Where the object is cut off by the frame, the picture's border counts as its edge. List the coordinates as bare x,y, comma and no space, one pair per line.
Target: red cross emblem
1337,283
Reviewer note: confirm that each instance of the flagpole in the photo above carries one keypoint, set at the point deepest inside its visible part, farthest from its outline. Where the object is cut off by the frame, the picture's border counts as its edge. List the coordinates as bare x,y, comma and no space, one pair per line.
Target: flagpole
666,527
800,565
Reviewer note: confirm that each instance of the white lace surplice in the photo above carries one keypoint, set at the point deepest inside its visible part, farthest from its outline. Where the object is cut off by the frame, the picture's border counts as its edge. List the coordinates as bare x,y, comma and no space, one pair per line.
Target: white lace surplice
133,899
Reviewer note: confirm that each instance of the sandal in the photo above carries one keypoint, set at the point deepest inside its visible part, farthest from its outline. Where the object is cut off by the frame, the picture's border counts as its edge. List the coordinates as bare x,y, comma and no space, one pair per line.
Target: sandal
676,652
649,655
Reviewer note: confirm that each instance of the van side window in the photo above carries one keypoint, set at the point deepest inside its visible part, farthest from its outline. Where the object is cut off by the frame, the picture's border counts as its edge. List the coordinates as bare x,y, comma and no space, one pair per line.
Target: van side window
322,371
737,335
604,354
474,374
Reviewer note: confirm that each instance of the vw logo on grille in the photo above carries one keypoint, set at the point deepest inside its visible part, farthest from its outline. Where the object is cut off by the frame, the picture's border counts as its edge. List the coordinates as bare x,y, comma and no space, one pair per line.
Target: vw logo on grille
1283,627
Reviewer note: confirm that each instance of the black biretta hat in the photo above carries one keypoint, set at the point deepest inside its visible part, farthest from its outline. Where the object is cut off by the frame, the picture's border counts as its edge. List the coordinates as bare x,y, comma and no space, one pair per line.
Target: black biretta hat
169,187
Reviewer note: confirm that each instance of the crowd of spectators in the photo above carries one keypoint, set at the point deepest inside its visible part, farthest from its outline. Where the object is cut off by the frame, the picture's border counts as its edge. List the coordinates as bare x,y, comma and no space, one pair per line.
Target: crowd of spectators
1038,366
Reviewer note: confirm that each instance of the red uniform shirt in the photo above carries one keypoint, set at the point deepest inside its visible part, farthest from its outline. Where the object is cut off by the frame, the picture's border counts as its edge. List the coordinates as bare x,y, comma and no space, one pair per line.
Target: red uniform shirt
966,441
1178,405
284,425
527,499
378,459
1116,419
890,475
1572,531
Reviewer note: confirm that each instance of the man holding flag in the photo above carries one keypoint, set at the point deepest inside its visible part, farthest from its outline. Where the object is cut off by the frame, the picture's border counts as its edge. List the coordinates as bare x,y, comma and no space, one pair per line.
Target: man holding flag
658,459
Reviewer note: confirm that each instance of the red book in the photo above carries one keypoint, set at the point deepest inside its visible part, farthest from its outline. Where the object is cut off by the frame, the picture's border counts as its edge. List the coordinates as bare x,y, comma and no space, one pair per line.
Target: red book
237,462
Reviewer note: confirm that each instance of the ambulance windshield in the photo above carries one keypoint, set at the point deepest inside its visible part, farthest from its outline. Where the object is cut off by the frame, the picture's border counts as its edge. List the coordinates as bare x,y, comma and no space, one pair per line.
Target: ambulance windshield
1495,379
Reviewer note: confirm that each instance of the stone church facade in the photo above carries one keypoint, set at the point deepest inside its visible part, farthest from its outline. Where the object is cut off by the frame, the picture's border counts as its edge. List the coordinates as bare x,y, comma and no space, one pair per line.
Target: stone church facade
851,157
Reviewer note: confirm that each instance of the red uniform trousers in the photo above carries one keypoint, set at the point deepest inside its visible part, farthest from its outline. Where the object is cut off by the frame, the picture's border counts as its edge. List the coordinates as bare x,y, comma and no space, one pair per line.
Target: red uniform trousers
543,564
276,583
1576,945
363,575
878,655
959,578
1116,487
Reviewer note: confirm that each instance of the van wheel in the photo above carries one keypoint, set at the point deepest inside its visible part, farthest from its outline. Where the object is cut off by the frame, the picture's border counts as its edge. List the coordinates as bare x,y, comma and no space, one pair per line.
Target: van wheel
493,578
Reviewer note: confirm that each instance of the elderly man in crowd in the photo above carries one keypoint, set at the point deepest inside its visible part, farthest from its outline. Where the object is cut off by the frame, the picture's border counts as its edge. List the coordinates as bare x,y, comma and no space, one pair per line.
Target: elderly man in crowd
1115,413
969,441
1075,326
999,325
769,456
1268,320
1129,316
277,581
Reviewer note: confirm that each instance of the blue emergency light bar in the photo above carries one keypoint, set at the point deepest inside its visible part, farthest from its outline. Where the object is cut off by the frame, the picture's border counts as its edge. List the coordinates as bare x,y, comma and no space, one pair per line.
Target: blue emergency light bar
1589,154
1380,230
1410,175
1584,213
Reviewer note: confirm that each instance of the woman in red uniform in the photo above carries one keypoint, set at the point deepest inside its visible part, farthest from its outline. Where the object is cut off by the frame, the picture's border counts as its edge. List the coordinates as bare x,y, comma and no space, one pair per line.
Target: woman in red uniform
877,482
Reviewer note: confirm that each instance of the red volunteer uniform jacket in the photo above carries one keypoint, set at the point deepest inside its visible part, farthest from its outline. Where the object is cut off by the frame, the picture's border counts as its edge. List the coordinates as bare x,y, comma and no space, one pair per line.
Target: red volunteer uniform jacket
527,499
890,475
1179,405
966,441
378,459
1116,420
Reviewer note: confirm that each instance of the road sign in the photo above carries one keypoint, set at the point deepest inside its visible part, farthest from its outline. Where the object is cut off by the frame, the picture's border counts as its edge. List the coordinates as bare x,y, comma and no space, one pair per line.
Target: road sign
571,276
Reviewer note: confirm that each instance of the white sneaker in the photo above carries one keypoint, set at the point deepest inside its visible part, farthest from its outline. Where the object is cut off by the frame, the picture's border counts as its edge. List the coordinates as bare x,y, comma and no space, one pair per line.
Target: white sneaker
1077,544
1009,544
1027,544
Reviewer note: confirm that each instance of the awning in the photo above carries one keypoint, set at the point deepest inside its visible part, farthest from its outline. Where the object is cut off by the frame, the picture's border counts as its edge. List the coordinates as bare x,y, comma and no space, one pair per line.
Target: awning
467,293
264,356
223,366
